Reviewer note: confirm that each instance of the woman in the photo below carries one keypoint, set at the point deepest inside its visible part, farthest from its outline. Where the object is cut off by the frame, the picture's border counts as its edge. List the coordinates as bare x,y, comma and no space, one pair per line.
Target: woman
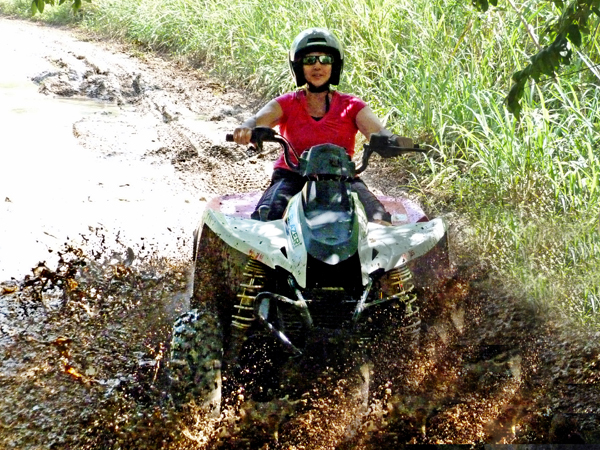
314,115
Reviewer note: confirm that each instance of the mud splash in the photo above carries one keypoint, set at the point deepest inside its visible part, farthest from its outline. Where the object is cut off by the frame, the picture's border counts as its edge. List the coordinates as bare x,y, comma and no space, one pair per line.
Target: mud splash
88,342
80,340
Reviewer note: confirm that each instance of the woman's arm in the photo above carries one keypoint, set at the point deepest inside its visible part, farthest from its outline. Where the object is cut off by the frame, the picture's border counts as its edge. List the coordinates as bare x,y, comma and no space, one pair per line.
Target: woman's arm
267,116
368,123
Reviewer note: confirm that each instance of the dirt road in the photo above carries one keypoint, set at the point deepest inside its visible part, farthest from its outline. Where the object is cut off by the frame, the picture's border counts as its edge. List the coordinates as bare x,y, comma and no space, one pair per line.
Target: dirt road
108,156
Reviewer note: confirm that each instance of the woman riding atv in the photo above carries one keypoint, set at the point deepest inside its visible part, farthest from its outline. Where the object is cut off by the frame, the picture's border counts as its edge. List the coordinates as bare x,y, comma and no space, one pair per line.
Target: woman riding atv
315,115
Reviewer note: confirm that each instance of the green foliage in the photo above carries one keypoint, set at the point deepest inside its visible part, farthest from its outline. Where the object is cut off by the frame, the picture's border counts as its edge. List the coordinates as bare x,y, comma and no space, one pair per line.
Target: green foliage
546,62
39,5
531,190
567,28
484,5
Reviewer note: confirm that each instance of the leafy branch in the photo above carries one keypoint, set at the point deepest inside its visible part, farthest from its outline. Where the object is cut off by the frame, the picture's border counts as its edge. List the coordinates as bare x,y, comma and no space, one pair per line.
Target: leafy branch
565,31
39,5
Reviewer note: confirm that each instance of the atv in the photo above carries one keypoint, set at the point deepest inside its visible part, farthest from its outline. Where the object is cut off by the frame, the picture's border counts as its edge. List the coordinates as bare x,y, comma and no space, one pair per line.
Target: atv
278,303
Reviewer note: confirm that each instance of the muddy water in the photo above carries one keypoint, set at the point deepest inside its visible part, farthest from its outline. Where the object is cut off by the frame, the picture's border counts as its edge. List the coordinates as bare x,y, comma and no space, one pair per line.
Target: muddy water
54,190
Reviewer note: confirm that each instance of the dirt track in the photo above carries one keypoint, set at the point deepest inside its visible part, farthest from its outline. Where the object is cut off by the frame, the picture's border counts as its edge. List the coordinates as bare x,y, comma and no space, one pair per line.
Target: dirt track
83,338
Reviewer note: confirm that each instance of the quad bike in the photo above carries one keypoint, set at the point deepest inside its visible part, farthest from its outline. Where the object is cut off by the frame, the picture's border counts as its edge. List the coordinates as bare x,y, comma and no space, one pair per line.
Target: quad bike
275,302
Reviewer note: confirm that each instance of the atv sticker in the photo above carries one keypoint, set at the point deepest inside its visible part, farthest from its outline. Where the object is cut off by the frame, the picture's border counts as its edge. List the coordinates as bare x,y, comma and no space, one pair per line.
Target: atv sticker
294,235
292,228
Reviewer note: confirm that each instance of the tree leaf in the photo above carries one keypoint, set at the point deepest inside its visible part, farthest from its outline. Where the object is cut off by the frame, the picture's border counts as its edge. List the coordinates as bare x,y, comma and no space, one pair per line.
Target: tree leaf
513,99
482,5
566,29
574,34
546,62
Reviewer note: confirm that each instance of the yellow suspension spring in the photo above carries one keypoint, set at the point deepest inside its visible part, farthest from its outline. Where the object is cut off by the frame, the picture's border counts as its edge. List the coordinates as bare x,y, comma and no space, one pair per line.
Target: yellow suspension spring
402,280
251,285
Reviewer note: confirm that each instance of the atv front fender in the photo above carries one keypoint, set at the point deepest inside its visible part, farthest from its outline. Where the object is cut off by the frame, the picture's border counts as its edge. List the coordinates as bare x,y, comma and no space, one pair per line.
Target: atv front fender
263,241
387,247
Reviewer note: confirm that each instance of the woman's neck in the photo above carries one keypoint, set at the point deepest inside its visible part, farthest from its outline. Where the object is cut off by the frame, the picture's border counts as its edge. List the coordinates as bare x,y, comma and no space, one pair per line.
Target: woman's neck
318,103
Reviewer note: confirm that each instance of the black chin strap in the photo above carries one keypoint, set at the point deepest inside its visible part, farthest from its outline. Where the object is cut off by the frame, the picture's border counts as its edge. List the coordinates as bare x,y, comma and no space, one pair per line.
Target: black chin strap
317,89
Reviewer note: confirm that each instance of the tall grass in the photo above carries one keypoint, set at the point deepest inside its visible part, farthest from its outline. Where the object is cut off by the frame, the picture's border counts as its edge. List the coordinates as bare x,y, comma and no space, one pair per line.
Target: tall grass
532,190
435,70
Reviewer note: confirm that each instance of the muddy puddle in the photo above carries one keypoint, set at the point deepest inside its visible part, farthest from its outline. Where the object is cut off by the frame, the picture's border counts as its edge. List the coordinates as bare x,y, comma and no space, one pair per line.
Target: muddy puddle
55,190
77,222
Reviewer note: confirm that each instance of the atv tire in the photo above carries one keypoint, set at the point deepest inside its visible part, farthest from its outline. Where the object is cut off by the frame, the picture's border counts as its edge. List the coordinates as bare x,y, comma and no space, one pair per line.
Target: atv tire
195,361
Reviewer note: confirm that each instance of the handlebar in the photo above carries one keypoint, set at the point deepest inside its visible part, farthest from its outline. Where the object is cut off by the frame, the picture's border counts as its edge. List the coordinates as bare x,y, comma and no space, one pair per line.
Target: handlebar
380,144
266,134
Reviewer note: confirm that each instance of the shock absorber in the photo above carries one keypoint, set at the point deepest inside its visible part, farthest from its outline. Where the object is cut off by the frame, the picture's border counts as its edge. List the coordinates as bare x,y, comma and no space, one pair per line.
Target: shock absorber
402,282
250,287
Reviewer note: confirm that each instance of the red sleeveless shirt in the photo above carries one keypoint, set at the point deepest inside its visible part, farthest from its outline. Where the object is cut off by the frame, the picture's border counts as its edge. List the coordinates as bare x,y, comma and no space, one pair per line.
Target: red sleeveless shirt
337,126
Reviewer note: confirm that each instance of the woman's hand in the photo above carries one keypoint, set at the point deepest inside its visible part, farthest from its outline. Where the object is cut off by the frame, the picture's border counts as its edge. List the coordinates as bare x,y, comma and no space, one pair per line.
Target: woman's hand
268,116
242,135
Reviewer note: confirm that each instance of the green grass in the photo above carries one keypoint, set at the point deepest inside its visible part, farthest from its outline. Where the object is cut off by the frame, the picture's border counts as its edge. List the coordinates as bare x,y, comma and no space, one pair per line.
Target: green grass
437,71
531,190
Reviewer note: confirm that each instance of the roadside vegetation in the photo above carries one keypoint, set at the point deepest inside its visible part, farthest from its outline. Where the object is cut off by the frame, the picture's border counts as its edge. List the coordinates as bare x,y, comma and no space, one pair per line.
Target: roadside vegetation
438,71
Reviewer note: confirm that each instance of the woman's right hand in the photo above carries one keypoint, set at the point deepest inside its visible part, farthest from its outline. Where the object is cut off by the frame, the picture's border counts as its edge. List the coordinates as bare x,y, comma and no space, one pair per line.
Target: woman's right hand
268,116
242,135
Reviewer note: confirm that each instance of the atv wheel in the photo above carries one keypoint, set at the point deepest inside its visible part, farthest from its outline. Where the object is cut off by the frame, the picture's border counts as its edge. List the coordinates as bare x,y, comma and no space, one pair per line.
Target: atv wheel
195,362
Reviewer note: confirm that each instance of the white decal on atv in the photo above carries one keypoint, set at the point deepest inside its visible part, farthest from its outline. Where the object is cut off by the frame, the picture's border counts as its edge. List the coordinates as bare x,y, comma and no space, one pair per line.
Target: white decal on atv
261,240
294,236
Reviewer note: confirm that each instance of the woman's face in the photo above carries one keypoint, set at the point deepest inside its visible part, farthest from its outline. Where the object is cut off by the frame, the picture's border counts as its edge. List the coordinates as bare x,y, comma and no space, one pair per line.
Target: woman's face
317,74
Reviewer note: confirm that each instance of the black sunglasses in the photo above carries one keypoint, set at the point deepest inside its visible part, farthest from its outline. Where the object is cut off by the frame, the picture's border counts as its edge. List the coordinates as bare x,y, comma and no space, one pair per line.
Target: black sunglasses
312,60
